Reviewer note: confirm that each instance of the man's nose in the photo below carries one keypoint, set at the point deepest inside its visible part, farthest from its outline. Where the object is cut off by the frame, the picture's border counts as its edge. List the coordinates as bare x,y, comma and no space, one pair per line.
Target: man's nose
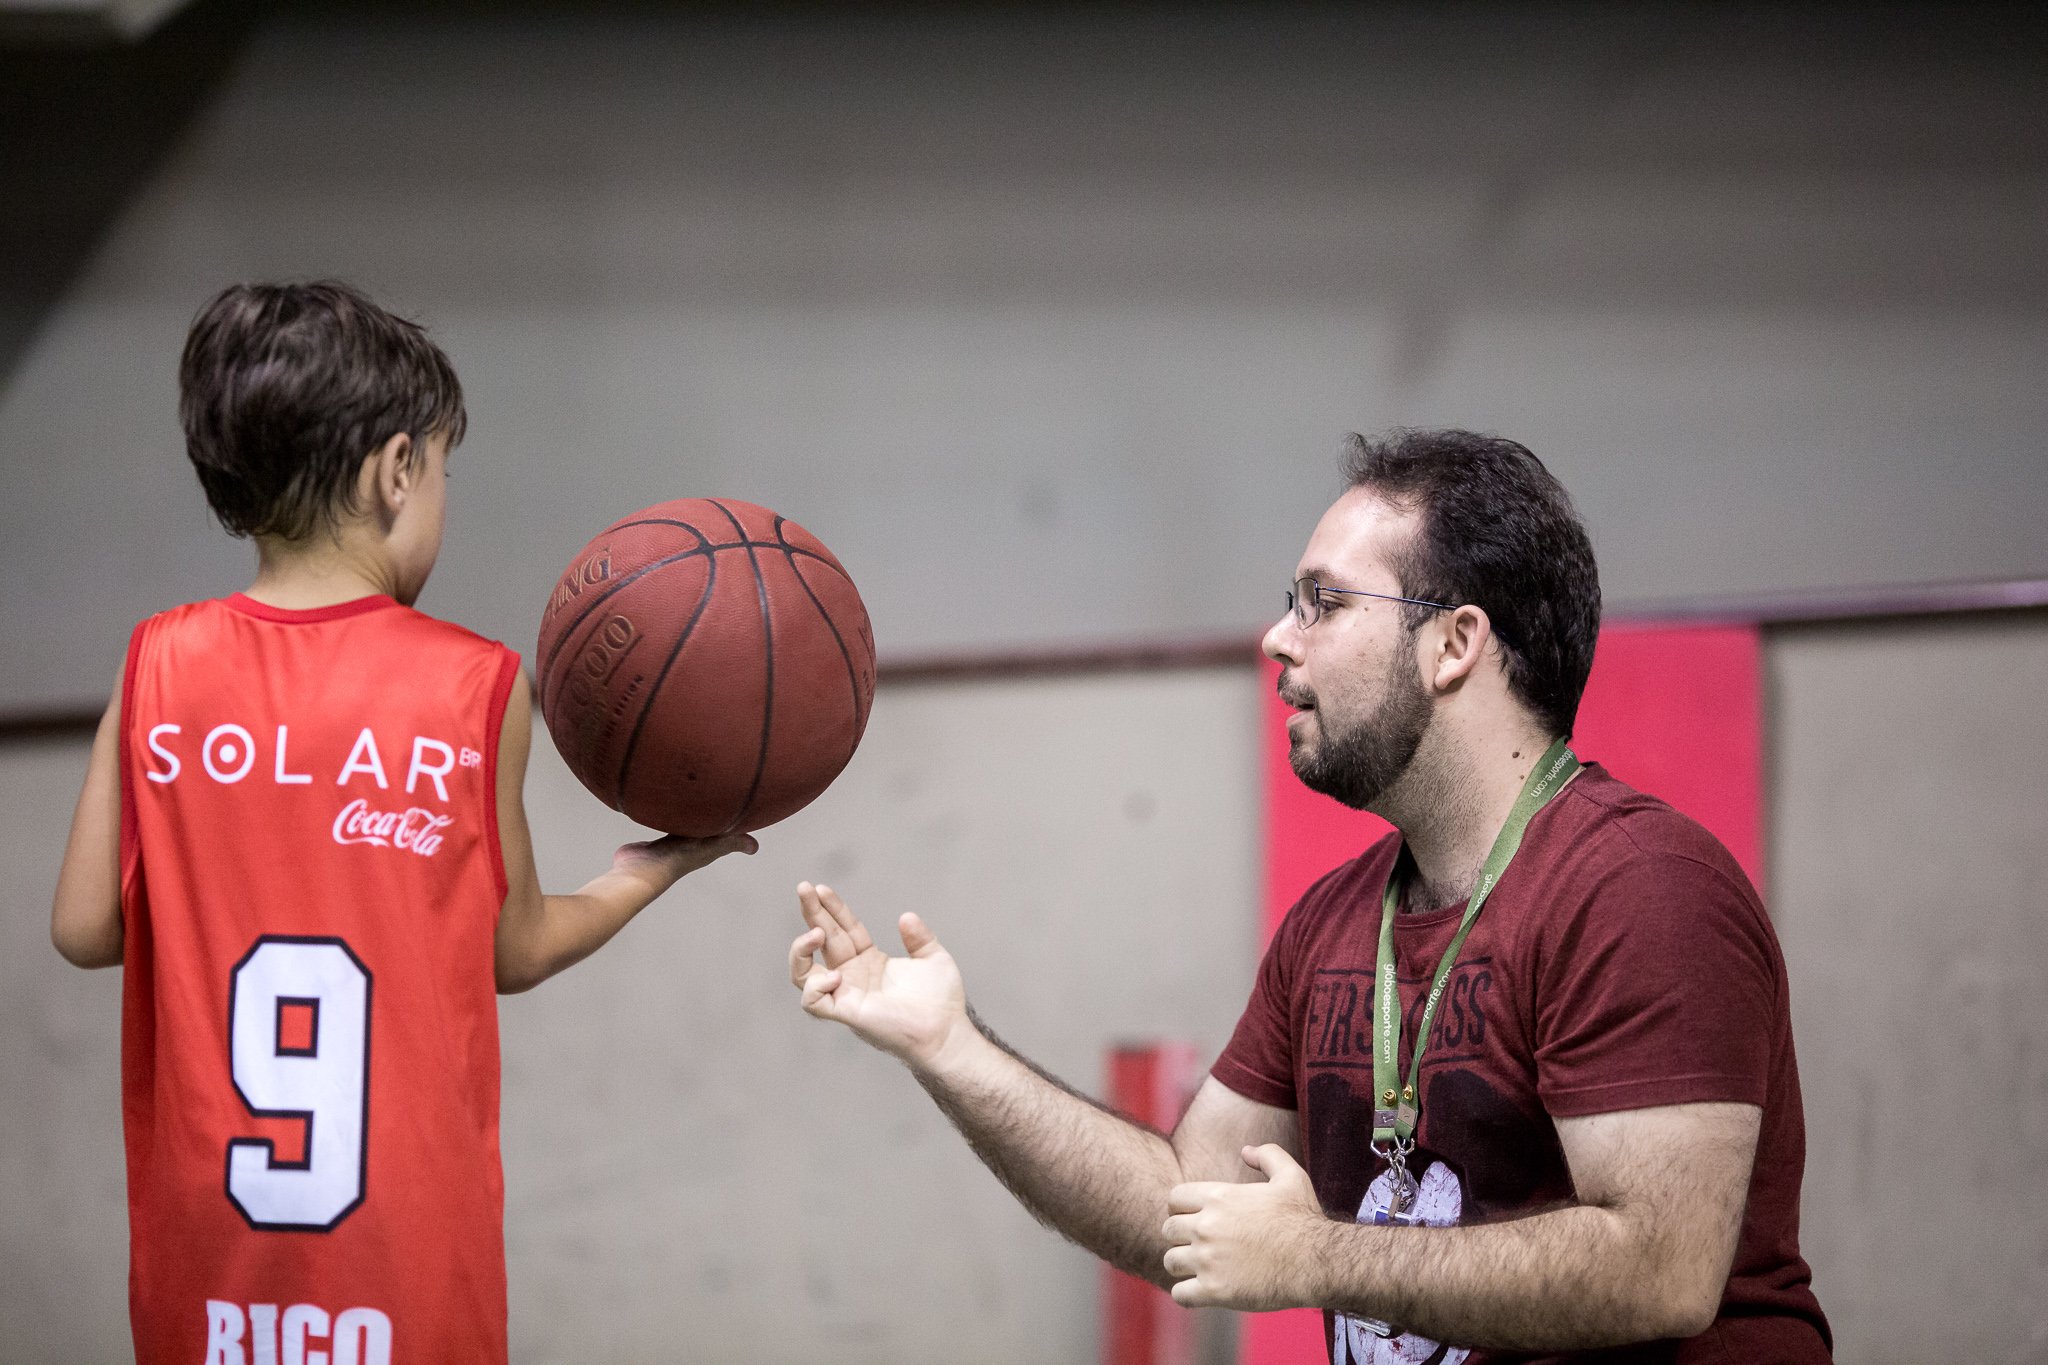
1283,642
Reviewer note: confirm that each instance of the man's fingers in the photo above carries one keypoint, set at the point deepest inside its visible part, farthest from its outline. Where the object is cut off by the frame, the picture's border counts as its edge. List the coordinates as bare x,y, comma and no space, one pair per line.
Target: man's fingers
800,951
1189,1293
843,916
1179,1262
817,983
838,944
1192,1197
1178,1230
819,993
807,906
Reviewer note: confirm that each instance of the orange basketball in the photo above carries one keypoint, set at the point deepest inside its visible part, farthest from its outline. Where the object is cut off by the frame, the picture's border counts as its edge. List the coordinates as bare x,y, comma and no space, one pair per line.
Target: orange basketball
705,666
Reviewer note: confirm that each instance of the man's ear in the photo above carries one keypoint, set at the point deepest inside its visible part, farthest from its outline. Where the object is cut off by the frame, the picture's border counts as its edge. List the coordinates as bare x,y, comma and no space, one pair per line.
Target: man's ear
1461,640
389,475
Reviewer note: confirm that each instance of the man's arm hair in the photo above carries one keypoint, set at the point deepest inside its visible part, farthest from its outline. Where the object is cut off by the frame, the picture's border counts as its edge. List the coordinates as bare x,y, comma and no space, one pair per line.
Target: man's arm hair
1087,1172
1644,1255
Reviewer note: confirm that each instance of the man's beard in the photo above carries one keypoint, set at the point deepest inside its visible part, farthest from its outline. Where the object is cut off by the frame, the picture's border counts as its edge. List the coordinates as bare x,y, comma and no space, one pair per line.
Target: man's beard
1357,765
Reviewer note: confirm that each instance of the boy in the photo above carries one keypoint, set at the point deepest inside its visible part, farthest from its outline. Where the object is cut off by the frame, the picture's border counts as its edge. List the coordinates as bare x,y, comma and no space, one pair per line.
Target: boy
301,832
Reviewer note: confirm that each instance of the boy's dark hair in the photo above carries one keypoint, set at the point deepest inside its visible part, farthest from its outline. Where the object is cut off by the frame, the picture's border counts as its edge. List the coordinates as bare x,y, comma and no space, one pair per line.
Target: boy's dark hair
1498,531
285,388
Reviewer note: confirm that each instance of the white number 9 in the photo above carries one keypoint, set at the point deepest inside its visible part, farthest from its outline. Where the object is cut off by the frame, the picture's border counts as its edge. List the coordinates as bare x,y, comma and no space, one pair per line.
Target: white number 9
324,1081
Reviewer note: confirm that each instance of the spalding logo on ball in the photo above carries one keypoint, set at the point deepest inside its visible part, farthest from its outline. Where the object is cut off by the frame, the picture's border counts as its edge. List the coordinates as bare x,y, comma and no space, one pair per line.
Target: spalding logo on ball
705,666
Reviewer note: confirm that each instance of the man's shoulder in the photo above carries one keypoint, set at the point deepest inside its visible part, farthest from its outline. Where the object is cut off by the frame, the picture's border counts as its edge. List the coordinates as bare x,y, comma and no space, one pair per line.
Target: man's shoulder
1605,822
1620,861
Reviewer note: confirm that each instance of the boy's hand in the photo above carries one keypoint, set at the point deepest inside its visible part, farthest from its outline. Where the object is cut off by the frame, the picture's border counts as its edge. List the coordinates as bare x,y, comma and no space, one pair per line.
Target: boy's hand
664,861
540,935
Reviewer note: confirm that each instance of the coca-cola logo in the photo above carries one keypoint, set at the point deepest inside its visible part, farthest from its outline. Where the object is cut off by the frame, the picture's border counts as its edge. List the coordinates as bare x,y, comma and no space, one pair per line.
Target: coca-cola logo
414,830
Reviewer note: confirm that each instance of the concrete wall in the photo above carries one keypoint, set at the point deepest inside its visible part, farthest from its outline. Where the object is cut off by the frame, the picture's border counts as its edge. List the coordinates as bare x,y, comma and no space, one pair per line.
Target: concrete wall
1910,848
63,1179
695,1169
1076,304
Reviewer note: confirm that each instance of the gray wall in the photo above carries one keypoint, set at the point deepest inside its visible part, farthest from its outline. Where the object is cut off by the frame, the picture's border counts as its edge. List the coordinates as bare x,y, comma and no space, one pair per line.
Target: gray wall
1077,304
1910,849
694,1168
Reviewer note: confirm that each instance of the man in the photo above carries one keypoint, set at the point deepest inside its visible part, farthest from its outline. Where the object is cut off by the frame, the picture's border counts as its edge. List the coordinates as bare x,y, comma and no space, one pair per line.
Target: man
1600,1145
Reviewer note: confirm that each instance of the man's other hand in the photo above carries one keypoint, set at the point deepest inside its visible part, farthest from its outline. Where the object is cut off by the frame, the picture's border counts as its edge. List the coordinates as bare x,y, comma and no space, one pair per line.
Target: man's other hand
1245,1246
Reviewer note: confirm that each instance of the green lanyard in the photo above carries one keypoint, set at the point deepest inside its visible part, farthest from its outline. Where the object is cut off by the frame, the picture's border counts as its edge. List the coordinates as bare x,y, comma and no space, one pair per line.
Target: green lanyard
1397,1109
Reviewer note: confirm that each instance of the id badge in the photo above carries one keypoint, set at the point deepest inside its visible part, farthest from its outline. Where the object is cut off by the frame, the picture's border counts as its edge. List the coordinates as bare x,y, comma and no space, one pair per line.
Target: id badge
1375,1326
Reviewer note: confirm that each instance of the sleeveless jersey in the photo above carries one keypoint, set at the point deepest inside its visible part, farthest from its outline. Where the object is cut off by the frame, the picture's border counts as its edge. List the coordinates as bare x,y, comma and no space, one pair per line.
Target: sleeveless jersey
310,884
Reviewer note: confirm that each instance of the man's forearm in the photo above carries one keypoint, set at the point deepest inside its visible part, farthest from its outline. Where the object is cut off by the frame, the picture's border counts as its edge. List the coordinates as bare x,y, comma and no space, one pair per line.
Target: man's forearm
1090,1174
1571,1279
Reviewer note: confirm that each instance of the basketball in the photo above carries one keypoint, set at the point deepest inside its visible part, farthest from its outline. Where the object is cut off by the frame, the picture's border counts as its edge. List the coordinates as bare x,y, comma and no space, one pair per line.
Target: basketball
705,666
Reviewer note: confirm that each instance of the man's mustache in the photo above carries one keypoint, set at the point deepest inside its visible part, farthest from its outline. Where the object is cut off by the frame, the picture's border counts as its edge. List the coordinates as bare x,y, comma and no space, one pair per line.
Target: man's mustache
1297,697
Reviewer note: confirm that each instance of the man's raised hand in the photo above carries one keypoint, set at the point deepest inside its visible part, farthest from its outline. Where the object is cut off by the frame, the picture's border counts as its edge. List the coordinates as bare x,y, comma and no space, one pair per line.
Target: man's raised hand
910,1007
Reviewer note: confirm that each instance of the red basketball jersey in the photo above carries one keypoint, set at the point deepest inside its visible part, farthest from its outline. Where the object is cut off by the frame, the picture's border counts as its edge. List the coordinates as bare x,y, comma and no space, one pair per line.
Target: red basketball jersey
311,879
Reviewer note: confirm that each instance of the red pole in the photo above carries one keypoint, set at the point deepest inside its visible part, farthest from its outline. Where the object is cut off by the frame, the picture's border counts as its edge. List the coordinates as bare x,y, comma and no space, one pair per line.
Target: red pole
1141,1324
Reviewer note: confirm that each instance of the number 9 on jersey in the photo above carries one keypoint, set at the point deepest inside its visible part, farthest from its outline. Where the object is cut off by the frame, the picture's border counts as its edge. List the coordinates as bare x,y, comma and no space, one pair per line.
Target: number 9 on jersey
299,1038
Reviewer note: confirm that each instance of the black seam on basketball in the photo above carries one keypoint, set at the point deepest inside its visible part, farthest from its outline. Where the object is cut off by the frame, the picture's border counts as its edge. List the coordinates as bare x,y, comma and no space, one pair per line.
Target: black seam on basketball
808,554
547,665
742,543
852,674
654,688
767,668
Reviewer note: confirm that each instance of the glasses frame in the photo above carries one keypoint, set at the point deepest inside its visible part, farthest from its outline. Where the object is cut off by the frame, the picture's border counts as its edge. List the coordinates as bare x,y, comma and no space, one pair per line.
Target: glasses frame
1298,600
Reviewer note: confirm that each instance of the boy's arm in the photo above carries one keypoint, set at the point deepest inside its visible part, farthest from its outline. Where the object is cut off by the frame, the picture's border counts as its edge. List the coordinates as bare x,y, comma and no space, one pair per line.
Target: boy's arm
540,935
85,918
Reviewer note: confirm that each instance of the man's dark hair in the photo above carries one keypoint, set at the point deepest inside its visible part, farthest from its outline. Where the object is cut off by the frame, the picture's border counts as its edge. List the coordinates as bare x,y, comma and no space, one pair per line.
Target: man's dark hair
1494,529
285,388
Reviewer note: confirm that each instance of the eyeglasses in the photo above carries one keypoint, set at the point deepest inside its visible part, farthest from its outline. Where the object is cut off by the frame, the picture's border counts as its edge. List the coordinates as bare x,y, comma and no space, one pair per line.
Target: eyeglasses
1306,600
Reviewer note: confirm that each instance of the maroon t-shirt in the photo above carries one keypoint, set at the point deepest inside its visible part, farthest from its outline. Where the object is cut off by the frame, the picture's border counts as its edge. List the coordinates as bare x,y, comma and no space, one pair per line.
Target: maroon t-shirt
1623,961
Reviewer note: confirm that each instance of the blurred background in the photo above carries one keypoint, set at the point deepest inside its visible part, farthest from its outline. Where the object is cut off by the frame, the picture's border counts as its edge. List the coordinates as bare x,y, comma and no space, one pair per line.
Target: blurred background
1048,319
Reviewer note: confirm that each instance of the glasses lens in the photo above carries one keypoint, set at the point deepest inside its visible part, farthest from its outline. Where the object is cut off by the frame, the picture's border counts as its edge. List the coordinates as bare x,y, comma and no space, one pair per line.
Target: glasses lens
1307,606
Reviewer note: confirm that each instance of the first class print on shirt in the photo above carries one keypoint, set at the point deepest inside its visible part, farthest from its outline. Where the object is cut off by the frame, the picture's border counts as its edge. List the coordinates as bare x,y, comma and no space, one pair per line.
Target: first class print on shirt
1337,1032
228,755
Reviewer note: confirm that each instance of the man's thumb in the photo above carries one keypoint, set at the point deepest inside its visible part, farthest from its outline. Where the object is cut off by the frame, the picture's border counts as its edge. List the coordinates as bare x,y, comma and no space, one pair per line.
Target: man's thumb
1272,1161
918,940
